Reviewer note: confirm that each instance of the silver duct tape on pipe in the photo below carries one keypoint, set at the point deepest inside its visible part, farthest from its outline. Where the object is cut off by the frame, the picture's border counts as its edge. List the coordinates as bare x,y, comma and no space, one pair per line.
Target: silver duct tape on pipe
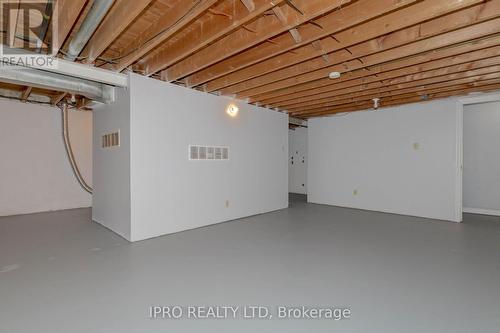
94,17
46,80
69,151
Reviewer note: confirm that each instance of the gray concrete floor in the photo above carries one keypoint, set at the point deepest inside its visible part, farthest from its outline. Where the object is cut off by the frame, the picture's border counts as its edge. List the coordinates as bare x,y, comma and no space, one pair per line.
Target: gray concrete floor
61,273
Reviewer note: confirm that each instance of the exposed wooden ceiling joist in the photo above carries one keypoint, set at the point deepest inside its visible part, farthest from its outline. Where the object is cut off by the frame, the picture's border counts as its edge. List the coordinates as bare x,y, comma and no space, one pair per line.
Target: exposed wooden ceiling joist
265,28
239,68
176,19
348,56
433,43
120,17
468,76
205,32
417,72
67,14
406,100
457,54
279,53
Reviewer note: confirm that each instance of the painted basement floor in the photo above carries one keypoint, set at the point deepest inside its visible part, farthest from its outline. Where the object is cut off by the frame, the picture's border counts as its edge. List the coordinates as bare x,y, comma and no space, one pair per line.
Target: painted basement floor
61,273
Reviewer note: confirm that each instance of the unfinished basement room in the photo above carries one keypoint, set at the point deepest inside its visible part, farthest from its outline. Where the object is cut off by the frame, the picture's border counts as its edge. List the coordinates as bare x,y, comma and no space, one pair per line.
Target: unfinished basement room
283,166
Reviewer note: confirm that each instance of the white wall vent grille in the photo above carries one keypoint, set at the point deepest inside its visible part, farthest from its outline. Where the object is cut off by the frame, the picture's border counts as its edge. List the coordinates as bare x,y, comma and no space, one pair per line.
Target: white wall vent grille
111,140
212,153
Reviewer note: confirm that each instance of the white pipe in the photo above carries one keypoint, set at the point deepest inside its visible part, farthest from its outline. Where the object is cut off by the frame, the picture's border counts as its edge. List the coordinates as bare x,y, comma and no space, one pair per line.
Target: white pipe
94,17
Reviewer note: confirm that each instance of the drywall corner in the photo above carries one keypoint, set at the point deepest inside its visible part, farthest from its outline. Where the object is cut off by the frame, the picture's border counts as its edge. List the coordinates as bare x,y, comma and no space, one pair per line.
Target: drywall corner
111,166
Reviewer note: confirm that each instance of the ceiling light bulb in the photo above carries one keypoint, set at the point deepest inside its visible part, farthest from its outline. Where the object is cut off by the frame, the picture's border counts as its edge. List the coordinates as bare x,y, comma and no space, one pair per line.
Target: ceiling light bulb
232,110
334,75
376,103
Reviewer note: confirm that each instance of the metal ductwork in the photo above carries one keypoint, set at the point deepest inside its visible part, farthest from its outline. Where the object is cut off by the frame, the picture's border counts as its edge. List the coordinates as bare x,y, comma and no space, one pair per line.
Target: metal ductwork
94,17
46,80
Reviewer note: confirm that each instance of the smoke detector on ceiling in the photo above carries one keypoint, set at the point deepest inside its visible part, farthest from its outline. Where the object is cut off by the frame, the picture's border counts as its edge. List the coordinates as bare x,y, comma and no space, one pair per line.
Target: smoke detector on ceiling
334,75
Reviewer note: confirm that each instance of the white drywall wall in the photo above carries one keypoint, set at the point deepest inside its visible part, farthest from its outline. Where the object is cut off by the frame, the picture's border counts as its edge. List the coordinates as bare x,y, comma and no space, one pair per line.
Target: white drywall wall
481,179
297,160
35,172
168,193
111,171
171,193
399,160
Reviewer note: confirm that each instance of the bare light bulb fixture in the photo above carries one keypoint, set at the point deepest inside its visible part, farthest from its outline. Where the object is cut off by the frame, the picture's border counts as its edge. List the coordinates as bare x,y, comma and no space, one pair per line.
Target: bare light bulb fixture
376,103
232,110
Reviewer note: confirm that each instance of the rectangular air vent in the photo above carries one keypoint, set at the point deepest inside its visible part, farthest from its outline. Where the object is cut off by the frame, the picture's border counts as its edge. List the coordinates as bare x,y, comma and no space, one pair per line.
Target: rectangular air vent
197,153
111,140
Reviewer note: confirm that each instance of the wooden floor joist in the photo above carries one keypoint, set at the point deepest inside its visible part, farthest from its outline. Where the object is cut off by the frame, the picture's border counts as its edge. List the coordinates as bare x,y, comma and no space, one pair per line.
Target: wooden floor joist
67,14
398,76
173,21
348,60
122,15
395,102
457,36
343,43
205,32
434,59
421,85
349,16
266,27
279,54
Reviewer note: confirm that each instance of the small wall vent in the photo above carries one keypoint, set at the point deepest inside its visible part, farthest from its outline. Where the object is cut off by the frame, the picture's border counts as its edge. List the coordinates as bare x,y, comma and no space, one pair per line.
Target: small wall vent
111,140
210,153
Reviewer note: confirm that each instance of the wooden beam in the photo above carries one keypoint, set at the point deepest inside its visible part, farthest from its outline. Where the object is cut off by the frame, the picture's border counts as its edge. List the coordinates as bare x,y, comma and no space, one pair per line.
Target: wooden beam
396,102
82,103
336,21
477,59
122,14
203,32
249,4
67,15
57,98
345,50
266,27
440,81
479,49
26,94
432,43
176,19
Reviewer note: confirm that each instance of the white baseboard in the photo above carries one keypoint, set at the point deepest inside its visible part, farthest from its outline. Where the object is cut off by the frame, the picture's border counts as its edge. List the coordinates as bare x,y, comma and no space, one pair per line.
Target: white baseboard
481,211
